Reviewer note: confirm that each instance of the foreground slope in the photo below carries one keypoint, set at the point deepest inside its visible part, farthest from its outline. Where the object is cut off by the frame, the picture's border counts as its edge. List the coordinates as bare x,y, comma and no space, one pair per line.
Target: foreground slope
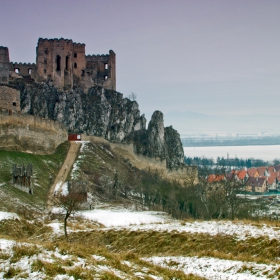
158,248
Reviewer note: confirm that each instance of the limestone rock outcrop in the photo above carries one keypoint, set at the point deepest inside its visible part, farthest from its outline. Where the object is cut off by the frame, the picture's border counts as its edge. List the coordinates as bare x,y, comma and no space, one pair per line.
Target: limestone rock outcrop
174,148
99,112
156,147
158,142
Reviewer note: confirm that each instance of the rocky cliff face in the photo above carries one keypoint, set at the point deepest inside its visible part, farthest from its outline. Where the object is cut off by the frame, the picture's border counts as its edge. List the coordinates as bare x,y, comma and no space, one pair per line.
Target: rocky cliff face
100,112
107,114
158,142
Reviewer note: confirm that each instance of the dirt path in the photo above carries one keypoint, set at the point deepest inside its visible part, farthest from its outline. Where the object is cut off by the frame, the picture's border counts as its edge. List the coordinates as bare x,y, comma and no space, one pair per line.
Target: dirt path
64,171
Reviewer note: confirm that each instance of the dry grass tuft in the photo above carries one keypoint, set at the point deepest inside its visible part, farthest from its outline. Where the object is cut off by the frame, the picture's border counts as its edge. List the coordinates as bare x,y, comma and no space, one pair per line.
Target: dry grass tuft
12,272
51,269
20,251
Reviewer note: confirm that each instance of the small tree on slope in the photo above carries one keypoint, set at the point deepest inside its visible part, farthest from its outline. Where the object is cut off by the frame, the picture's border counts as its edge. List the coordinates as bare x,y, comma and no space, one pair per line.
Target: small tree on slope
70,204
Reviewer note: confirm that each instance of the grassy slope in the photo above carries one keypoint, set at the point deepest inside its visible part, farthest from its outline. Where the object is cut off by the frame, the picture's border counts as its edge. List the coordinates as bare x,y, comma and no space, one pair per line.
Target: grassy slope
45,168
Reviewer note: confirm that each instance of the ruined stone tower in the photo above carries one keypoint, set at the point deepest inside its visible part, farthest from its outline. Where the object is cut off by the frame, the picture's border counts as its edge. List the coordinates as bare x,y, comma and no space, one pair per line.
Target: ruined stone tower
54,60
65,63
4,65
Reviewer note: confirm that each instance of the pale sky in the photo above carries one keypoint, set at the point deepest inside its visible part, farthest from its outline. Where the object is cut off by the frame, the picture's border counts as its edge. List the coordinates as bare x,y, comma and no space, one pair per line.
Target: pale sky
207,56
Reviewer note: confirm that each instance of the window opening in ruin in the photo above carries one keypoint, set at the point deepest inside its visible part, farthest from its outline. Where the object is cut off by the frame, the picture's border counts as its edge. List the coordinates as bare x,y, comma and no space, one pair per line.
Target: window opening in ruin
46,51
14,104
45,61
75,65
16,70
67,63
83,72
58,60
105,77
75,54
106,65
29,71
45,71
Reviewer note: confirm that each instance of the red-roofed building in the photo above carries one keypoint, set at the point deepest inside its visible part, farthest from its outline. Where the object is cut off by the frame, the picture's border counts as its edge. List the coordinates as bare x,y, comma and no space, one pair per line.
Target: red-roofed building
277,168
256,184
270,169
212,178
272,181
262,171
253,172
242,175
239,175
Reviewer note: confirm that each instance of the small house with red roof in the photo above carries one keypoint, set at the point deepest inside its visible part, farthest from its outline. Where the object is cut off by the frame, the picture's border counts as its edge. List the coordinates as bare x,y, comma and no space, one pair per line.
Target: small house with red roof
270,169
253,172
272,181
263,171
256,184
212,178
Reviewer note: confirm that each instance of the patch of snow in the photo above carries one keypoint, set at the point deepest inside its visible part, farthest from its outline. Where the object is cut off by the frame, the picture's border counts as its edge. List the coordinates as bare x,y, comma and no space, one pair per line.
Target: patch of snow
238,229
56,227
6,245
57,187
75,169
83,144
116,218
98,258
58,210
8,215
64,189
213,268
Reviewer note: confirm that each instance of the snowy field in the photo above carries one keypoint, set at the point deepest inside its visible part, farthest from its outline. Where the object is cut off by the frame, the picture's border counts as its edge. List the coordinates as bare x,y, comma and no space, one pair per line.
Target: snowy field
118,218
160,221
122,219
268,153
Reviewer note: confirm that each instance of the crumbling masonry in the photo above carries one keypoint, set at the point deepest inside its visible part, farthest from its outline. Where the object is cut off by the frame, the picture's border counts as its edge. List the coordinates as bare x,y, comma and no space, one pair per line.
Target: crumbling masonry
64,63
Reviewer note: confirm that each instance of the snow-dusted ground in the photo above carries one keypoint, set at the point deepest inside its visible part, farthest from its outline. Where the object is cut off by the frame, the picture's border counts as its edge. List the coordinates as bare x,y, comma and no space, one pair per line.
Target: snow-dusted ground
160,221
8,215
119,219
214,269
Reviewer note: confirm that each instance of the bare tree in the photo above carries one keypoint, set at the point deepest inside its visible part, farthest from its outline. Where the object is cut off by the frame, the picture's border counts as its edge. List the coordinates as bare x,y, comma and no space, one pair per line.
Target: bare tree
132,96
70,203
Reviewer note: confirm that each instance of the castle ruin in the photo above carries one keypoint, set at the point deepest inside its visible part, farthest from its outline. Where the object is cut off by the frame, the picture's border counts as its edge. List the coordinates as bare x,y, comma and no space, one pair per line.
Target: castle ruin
63,62
4,65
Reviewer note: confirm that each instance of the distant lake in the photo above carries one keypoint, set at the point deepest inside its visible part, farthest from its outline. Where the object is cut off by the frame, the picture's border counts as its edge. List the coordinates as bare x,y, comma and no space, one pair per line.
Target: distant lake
265,152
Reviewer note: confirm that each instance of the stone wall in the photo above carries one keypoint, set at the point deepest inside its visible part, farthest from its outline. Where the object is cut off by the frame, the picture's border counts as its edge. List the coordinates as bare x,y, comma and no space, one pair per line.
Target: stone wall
23,69
102,69
4,65
9,98
30,133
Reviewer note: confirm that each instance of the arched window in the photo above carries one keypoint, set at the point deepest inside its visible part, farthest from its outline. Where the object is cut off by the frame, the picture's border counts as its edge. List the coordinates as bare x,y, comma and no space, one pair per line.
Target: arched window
75,65
58,60
106,65
67,63
29,71
16,70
